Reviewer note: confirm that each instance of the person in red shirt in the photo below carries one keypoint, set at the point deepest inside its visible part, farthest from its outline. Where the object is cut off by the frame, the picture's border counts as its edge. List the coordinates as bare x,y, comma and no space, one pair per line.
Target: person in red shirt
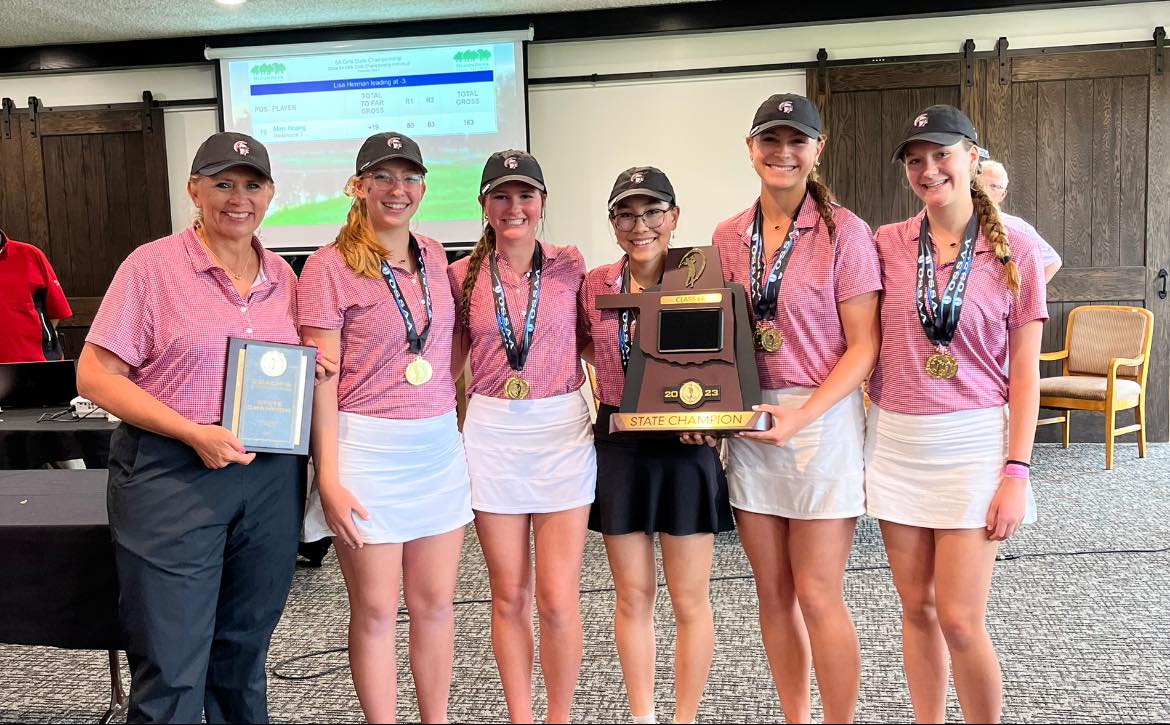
31,304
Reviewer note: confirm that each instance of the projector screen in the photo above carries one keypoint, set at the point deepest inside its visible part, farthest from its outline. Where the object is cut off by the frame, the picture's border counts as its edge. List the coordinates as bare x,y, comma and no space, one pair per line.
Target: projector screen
460,97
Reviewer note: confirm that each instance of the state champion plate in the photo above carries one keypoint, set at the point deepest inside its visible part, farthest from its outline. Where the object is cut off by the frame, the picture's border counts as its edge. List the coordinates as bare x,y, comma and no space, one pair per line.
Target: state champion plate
716,421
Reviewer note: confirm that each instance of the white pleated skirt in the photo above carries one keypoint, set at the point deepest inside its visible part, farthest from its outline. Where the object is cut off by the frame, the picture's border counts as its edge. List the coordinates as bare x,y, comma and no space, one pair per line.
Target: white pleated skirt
530,456
818,474
410,475
936,471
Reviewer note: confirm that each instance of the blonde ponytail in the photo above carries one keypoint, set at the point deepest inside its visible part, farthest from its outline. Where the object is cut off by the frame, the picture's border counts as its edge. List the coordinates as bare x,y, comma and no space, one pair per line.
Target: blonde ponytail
993,229
356,241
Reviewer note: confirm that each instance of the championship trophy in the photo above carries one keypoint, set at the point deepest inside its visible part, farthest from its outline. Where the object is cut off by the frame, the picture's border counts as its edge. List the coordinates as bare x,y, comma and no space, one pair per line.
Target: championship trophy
693,365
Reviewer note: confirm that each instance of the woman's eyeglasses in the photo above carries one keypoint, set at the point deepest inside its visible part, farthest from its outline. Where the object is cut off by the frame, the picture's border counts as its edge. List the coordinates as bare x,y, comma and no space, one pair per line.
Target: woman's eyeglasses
626,221
384,181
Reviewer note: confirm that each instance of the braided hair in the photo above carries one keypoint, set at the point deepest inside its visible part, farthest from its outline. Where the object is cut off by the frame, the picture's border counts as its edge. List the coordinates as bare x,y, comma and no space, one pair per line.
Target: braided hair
485,246
823,196
992,227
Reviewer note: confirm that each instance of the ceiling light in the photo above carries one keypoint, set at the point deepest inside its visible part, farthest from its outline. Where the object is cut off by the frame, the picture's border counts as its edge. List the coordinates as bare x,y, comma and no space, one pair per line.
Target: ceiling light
230,2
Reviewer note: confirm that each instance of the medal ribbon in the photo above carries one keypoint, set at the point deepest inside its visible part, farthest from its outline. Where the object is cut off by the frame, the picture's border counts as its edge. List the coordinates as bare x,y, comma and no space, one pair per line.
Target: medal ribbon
516,350
766,293
626,319
939,315
415,341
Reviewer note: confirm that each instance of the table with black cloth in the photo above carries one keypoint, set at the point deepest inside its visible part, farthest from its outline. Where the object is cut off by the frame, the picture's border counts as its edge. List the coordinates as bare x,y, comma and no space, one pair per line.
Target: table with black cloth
27,443
60,589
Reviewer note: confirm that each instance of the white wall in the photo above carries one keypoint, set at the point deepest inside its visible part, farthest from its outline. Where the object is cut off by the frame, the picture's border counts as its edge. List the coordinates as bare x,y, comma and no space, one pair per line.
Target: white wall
692,128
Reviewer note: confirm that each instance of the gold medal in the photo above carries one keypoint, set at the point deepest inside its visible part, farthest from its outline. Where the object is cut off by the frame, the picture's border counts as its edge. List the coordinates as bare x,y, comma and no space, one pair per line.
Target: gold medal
942,366
515,388
767,338
770,339
418,372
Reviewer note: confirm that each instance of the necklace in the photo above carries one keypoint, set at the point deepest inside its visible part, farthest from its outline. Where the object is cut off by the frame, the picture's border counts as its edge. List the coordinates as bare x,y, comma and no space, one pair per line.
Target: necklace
238,277
776,227
398,259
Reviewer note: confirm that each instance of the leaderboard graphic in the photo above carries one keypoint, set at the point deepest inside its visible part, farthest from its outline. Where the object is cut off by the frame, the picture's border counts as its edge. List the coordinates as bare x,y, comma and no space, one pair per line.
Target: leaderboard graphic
418,103
460,103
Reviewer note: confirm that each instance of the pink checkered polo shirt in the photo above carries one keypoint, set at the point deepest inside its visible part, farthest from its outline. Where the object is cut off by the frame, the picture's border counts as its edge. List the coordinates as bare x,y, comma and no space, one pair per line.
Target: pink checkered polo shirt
374,351
900,382
553,366
170,310
822,272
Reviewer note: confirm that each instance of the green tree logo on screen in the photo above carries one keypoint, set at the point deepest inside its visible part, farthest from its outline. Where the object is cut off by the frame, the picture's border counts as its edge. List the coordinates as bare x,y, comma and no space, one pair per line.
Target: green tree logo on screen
481,55
267,70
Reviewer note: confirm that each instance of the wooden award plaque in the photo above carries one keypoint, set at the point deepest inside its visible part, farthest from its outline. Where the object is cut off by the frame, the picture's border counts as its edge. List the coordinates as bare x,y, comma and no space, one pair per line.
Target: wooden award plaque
692,364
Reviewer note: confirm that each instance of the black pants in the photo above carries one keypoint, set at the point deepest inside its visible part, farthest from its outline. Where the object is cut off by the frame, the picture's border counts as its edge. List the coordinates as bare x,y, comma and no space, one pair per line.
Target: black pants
205,560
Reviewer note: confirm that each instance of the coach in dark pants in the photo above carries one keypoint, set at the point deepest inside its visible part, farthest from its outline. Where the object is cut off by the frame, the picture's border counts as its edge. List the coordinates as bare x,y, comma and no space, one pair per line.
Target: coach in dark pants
205,533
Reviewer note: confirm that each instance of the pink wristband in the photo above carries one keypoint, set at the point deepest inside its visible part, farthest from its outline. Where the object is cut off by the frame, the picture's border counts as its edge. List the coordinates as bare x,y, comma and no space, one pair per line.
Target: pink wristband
1015,470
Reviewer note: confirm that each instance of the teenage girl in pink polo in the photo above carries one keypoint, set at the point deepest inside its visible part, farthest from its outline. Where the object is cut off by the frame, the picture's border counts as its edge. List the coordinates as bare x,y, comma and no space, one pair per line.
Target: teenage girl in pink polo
950,435
647,485
391,478
812,273
527,433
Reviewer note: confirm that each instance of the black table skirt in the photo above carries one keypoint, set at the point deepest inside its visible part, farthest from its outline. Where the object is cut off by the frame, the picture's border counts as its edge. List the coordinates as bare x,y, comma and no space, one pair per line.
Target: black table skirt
25,443
57,562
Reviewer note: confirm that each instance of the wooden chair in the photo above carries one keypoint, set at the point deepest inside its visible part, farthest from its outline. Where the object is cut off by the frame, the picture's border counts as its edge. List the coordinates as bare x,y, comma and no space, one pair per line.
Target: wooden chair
1106,357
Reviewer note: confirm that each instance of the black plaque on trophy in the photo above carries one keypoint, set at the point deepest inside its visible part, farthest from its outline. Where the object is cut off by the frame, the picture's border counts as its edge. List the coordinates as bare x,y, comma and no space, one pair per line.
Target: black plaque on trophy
693,364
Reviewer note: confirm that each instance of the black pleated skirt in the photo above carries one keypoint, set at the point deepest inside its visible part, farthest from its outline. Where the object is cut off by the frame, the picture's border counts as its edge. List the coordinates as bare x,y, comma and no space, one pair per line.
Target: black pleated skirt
653,485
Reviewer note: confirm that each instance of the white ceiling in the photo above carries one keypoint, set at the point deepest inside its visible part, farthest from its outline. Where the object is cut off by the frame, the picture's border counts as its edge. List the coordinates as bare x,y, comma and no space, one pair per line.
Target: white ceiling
41,22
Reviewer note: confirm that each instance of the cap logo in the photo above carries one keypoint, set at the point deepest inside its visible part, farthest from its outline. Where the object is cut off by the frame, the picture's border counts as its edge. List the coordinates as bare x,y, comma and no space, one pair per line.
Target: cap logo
394,142
637,177
786,107
921,120
511,162
241,148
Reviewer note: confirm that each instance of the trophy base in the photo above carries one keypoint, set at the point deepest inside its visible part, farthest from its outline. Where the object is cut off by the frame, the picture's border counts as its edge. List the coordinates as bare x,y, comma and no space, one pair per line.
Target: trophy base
721,422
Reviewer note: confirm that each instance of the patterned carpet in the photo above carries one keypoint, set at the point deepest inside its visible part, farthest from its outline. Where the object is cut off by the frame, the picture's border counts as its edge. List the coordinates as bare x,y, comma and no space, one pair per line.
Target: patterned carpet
1082,637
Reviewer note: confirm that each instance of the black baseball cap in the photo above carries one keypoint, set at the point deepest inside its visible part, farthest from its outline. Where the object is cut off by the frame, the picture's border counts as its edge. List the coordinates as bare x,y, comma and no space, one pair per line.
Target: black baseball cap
941,124
510,165
388,145
787,109
642,181
227,149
